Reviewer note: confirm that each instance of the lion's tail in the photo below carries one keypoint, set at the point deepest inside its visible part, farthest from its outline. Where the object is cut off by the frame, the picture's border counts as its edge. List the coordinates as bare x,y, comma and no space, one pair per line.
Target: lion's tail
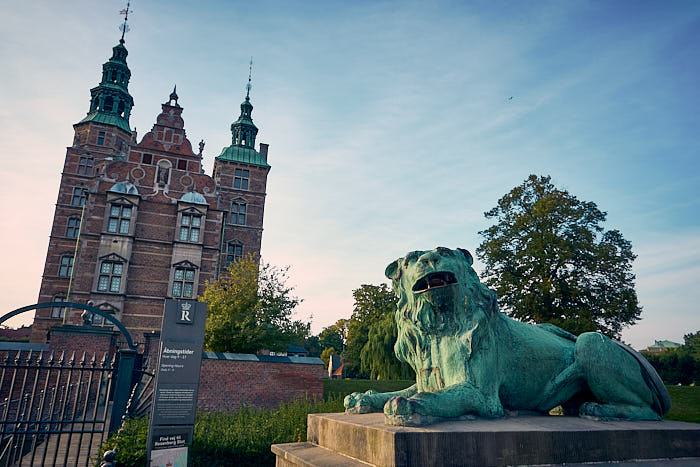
662,399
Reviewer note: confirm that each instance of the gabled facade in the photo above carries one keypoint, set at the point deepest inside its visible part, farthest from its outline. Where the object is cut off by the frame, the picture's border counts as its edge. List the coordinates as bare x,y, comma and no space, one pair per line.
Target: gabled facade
139,221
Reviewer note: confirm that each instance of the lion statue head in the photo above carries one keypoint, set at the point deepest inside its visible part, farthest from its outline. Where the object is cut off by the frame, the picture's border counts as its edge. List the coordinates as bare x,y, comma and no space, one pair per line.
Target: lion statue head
439,295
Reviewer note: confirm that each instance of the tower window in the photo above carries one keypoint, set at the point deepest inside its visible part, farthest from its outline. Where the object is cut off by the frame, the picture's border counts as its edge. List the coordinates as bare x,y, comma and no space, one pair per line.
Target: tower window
101,138
119,219
189,229
147,159
85,165
241,179
183,282
58,311
78,198
66,267
238,212
110,279
182,164
234,252
73,227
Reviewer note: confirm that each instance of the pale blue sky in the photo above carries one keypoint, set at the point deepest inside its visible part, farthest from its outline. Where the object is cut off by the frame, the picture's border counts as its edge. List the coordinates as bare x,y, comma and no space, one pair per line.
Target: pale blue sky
389,125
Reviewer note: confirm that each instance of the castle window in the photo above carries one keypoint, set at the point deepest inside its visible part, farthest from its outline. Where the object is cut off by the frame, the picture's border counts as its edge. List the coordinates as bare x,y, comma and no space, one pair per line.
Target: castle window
189,228
78,198
241,179
119,219
238,211
101,137
183,282
73,227
85,165
110,279
58,311
66,267
234,252
147,159
182,164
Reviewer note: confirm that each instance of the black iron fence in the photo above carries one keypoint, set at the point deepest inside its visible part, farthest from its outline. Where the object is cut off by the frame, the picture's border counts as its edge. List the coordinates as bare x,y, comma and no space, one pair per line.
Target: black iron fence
55,408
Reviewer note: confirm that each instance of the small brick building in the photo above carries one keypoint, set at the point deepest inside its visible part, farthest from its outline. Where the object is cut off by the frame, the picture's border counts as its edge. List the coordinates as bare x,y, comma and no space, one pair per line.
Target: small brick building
139,221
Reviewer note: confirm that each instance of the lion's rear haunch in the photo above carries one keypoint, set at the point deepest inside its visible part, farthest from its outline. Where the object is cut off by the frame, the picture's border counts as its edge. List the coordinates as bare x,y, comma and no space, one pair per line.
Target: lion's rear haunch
470,359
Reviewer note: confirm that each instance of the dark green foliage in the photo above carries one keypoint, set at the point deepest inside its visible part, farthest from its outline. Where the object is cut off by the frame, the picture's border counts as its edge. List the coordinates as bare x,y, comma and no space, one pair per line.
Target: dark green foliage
369,350
333,336
685,404
550,260
378,358
333,388
250,310
224,439
681,365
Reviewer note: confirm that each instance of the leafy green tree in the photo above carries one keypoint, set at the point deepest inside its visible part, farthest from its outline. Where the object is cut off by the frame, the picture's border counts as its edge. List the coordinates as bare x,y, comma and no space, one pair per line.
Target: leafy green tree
334,335
251,309
377,356
372,304
550,260
326,355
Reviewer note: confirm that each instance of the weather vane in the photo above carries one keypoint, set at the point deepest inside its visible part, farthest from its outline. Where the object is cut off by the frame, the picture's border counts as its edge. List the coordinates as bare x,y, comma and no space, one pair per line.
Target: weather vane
250,75
124,27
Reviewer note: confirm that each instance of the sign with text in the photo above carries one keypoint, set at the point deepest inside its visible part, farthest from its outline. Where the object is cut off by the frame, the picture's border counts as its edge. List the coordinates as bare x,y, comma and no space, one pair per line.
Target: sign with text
177,379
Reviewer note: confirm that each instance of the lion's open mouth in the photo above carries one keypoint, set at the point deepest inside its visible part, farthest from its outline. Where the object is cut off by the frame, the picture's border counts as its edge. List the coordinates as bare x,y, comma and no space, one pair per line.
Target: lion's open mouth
434,280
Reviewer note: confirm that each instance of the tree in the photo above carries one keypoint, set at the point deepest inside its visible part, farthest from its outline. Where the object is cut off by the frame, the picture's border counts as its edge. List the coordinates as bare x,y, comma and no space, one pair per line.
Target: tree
372,304
378,357
334,335
326,355
250,310
550,260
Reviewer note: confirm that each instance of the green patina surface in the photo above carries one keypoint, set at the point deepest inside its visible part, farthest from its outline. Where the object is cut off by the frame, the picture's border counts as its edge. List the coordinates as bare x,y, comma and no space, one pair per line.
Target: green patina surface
242,154
472,360
107,119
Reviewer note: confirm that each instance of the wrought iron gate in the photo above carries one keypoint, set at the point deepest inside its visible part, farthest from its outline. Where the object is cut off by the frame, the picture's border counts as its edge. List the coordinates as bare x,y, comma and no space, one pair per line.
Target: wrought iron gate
56,409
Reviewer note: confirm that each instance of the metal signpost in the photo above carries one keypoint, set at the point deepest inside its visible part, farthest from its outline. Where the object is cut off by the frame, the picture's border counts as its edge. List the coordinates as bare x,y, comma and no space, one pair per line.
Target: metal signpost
177,380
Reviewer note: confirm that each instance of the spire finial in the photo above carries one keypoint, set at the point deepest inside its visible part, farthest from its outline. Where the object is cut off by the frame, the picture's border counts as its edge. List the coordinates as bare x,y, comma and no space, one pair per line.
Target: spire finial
124,27
173,97
250,76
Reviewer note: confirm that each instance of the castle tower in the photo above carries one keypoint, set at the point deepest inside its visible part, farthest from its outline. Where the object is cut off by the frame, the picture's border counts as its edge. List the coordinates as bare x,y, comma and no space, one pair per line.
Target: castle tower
103,135
241,173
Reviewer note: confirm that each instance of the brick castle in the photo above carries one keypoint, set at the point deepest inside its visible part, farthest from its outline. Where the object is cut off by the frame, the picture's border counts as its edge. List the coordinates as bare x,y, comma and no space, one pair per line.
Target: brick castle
139,221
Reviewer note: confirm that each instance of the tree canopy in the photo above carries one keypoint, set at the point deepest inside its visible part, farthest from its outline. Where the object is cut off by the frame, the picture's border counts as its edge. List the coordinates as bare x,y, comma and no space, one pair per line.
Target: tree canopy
550,260
250,309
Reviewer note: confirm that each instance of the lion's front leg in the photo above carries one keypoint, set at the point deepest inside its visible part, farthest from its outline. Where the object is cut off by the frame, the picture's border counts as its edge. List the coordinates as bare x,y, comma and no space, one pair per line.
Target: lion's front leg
373,401
451,402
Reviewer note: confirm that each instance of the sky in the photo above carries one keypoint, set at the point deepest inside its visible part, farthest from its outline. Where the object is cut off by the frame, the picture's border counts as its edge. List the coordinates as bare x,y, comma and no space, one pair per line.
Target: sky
390,123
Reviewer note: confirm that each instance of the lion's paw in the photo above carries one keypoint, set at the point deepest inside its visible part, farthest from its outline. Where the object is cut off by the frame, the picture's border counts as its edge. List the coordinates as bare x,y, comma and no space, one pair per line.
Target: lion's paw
359,402
400,411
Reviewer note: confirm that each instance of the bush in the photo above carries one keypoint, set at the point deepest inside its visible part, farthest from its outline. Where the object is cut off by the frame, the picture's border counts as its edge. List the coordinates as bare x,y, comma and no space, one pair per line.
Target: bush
242,437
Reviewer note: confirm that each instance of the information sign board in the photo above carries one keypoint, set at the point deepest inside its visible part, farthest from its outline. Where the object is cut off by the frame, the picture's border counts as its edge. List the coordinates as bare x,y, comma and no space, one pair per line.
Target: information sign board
177,380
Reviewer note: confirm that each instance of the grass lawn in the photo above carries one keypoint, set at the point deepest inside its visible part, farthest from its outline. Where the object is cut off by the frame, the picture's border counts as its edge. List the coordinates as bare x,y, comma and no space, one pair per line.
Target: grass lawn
685,400
333,388
685,404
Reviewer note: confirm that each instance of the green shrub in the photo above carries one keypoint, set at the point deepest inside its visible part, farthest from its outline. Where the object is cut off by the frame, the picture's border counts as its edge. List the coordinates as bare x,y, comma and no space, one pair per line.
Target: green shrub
242,437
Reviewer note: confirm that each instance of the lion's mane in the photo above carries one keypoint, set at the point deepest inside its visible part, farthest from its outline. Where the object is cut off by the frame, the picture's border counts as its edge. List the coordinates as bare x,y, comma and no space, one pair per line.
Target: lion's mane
420,318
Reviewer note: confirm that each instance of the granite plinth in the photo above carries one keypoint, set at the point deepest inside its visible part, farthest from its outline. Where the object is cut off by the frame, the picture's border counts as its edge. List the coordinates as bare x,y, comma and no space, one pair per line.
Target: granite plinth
521,440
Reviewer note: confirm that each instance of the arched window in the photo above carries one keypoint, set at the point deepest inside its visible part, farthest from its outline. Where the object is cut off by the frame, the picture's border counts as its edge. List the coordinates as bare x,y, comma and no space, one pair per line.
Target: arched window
110,279
73,227
65,269
120,109
234,252
109,104
238,211
59,311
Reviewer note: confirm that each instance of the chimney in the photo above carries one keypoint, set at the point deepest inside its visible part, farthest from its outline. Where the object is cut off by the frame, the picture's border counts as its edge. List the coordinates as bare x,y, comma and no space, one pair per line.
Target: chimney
263,150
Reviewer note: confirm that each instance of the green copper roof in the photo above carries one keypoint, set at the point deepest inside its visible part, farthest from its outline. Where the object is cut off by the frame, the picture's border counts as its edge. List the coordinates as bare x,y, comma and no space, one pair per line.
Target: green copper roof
107,119
242,154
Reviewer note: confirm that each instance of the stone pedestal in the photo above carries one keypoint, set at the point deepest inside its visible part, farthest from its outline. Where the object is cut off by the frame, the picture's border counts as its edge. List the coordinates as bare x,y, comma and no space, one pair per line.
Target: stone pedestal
357,440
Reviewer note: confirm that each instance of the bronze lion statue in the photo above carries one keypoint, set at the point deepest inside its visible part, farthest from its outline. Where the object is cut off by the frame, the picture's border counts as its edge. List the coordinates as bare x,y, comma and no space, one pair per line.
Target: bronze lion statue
471,360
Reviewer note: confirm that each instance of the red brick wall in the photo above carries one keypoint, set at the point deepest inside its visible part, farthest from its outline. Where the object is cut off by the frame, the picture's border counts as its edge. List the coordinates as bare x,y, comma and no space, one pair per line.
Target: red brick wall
226,385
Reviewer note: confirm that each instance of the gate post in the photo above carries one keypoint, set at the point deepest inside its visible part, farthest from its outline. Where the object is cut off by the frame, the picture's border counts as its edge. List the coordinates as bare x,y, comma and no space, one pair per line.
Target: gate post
122,387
